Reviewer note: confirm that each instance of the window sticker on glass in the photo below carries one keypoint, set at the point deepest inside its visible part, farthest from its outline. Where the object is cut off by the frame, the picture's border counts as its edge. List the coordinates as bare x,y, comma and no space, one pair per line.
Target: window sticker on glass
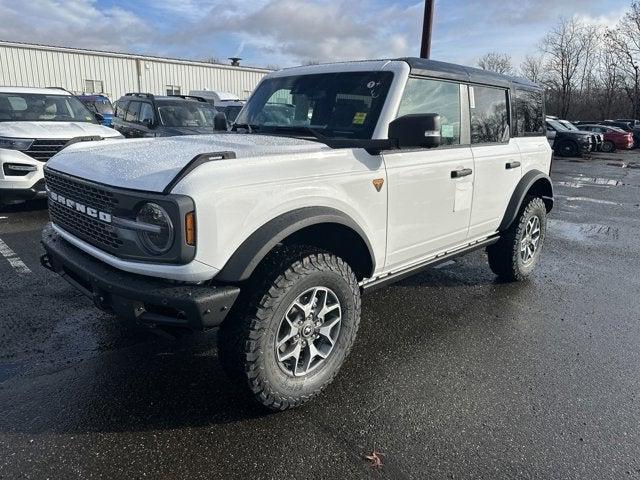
359,118
472,98
447,131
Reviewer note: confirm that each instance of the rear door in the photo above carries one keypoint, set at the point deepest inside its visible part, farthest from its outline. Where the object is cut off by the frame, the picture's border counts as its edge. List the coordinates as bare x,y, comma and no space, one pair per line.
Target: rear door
430,190
131,120
496,158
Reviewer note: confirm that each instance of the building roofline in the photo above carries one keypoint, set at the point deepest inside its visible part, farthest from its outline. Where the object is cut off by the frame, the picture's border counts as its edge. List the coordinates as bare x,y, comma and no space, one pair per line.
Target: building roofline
132,56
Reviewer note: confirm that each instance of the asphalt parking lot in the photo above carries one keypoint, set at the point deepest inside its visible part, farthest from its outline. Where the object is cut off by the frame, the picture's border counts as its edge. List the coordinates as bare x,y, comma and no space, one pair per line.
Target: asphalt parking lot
453,375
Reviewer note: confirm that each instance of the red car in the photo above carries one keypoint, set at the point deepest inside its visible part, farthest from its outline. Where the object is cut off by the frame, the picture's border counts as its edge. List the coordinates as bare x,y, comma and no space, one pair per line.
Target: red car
614,137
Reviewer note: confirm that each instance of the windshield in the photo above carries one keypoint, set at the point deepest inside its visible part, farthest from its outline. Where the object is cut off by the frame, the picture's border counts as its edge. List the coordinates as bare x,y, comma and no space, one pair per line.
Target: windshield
335,105
557,125
31,107
568,125
102,107
186,114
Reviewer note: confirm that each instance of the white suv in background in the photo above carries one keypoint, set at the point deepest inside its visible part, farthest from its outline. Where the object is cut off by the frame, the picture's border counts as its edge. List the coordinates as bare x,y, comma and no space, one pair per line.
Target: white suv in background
35,124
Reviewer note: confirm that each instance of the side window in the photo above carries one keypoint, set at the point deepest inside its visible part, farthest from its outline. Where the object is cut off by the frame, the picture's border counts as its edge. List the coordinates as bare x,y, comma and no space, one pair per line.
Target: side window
529,113
119,108
489,115
434,96
133,112
146,113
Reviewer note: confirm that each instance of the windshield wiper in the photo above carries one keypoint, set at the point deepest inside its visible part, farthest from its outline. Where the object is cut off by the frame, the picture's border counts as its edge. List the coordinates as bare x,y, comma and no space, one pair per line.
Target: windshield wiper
299,129
246,126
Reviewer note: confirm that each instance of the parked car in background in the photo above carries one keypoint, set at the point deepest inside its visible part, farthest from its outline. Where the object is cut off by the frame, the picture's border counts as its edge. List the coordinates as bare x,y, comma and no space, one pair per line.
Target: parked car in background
225,102
635,126
598,138
99,104
624,125
565,142
145,115
35,124
614,137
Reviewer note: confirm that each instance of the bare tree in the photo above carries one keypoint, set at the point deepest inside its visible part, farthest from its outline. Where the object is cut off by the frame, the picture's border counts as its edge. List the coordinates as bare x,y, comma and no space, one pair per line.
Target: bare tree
626,38
496,62
532,67
563,48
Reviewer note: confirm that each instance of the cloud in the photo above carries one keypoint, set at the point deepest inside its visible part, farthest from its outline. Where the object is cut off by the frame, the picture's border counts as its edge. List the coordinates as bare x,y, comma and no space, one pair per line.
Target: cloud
289,32
75,23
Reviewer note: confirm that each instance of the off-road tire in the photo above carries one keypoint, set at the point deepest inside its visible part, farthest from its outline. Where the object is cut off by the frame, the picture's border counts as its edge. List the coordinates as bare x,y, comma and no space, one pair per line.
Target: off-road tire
504,256
567,148
246,338
608,146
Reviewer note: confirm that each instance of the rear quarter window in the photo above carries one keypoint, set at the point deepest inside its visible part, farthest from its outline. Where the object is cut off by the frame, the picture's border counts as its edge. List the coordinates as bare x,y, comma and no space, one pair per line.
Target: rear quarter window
529,113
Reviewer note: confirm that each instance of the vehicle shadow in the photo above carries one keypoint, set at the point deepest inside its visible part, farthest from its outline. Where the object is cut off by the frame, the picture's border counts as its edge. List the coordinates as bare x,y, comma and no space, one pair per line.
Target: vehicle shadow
159,384
33,205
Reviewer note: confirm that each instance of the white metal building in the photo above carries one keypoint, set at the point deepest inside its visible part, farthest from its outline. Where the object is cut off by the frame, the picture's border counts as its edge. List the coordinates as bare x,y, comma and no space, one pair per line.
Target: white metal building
114,74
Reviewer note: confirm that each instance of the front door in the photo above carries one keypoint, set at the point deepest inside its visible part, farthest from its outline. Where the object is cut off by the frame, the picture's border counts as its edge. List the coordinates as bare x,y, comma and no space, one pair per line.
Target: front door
429,190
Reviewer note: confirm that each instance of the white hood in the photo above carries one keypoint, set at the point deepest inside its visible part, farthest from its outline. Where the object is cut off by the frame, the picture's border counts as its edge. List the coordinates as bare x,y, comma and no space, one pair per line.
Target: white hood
54,130
151,164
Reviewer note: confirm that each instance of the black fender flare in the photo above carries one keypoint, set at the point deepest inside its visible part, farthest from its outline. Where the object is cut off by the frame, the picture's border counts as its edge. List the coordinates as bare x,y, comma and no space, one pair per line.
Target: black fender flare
525,184
256,247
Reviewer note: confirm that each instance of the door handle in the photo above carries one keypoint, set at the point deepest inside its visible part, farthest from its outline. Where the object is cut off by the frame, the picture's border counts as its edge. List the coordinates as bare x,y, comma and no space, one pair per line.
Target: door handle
511,165
463,172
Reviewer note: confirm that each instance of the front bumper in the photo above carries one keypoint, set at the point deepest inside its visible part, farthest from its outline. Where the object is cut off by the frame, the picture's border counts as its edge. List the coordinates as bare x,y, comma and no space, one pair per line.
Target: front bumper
17,195
136,297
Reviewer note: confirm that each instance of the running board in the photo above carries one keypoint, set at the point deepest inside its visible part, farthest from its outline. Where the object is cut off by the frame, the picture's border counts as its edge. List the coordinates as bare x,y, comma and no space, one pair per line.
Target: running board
407,272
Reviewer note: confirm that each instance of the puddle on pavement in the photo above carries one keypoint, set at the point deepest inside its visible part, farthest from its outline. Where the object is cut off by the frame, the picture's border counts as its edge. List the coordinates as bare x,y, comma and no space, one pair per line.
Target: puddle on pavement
582,231
590,181
586,199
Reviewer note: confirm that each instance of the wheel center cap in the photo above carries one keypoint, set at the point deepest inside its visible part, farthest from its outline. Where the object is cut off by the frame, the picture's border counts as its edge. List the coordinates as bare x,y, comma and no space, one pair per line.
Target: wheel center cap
307,330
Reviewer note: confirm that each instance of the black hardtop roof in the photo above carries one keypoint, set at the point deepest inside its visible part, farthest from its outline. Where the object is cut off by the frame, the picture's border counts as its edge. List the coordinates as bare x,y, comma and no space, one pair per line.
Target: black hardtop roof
451,71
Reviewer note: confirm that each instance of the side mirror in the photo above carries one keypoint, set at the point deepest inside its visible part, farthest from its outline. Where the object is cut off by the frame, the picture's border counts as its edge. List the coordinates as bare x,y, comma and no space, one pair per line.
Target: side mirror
99,117
417,130
220,122
147,122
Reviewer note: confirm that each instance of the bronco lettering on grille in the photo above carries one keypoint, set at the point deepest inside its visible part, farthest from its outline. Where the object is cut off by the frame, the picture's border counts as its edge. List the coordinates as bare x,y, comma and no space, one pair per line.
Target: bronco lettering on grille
79,207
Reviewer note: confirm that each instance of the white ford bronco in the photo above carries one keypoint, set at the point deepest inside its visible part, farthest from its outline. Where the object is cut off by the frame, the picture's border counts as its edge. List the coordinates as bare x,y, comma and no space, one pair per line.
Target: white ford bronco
335,179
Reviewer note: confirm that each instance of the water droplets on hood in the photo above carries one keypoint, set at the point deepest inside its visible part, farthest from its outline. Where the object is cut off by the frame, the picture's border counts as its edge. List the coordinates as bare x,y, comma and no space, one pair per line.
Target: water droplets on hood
150,164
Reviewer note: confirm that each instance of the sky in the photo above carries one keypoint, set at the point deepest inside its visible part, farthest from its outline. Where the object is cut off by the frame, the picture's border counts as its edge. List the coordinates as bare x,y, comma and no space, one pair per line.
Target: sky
281,33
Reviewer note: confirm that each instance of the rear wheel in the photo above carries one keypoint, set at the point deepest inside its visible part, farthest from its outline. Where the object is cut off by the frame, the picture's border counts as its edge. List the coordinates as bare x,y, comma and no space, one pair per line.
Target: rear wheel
568,148
608,146
294,328
515,255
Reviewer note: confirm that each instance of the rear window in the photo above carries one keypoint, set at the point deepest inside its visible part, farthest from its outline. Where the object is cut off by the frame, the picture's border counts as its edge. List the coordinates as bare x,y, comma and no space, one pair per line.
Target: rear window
530,113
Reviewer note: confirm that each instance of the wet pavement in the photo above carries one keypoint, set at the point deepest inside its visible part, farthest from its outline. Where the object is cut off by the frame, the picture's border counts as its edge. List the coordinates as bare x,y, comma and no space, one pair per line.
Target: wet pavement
453,375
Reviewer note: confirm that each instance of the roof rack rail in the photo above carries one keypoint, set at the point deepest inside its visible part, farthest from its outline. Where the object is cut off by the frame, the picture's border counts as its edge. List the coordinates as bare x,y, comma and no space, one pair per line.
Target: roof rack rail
60,88
139,94
186,97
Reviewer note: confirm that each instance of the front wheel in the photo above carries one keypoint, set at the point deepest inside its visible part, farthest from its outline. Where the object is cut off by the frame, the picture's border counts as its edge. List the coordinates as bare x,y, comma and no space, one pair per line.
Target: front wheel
515,255
295,327
568,149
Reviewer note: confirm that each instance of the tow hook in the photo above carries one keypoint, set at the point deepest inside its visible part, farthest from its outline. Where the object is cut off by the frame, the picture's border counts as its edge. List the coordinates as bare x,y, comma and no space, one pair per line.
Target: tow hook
46,263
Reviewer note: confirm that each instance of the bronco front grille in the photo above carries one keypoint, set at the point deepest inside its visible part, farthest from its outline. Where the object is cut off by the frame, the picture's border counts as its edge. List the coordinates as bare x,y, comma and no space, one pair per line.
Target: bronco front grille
87,194
91,230
43,150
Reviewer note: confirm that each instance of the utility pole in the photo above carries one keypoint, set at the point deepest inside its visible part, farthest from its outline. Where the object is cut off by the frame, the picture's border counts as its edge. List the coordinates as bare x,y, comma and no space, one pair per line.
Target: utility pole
636,99
427,27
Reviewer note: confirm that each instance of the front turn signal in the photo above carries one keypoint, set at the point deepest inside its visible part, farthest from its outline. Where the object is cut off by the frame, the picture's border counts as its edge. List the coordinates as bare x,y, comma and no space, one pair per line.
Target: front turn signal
190,228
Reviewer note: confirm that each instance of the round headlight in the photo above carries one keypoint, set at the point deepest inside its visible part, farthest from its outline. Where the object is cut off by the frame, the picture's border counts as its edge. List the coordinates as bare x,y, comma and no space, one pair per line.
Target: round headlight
160,240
